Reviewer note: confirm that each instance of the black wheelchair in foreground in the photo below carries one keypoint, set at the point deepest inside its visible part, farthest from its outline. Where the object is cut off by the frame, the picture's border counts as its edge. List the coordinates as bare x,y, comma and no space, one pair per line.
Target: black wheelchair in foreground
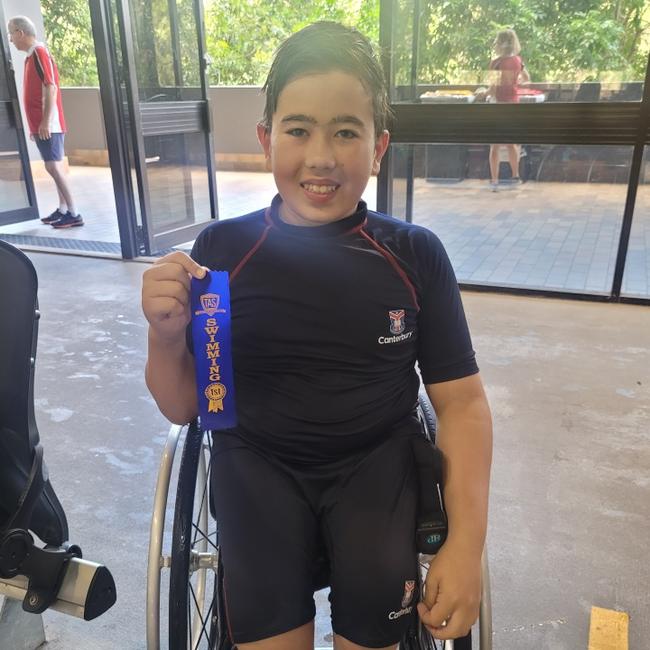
189,552
49,573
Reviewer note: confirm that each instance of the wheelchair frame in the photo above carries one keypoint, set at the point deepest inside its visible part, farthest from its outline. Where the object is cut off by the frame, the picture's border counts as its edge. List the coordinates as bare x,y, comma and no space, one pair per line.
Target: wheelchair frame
196,611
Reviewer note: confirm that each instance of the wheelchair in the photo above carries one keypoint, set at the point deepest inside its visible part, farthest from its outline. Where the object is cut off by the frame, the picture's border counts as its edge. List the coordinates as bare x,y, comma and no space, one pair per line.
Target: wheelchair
53,575
184,558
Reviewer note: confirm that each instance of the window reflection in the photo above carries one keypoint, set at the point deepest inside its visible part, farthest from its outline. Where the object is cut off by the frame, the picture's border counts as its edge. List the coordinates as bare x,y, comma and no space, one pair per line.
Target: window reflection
165,47
599,55
177,179
557,230
13,192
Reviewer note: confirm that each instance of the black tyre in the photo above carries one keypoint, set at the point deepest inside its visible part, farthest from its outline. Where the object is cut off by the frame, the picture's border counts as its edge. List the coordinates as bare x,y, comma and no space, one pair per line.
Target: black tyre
193,583
427,416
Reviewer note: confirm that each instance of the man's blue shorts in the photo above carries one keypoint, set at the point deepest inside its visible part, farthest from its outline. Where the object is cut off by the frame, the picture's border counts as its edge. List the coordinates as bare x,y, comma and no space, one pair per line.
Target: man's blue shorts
51,149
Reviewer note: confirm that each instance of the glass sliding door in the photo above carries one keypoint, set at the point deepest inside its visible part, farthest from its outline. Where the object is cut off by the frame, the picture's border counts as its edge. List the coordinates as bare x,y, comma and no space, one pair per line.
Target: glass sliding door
557,231
536,192
152,70
636,279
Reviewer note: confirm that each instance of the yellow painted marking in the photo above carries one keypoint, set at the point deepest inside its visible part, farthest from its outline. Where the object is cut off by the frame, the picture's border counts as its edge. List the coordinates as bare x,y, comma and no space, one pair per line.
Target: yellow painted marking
608,629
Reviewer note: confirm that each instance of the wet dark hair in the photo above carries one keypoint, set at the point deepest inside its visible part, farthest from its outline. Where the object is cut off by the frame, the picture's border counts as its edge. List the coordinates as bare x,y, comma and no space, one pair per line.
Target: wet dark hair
323,47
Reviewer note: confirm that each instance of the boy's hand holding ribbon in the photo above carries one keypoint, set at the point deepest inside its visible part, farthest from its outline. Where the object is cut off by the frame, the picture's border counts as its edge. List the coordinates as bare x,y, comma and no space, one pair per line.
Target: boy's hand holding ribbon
166,295
170,372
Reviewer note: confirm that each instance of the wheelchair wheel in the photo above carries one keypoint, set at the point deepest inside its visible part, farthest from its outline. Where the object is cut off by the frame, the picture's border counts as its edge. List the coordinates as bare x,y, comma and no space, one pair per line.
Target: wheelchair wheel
426,642
427,417
191,566
193,584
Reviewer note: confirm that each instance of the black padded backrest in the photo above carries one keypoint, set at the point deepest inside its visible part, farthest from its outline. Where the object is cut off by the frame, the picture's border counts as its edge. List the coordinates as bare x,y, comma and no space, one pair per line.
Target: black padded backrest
18,432
18,335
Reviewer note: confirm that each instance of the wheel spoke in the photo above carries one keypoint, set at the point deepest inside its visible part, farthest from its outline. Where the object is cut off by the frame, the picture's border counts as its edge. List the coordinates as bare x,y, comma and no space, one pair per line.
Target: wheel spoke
205,491
199,612
208,618
205,537
196,528
190,618
194,551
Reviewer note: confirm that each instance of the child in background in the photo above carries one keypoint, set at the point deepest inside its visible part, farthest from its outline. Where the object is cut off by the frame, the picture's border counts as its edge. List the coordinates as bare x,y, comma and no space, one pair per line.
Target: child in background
510,73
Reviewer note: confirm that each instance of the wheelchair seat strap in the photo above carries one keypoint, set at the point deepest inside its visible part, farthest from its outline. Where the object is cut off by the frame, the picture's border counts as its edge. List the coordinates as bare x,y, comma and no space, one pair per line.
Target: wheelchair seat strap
30,495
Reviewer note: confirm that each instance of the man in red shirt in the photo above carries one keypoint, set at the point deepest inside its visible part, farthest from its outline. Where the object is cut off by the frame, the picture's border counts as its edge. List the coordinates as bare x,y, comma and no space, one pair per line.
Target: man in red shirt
44,109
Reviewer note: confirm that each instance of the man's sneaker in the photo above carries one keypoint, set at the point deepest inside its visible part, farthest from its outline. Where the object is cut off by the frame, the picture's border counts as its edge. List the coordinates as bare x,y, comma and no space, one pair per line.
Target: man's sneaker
51,218
68,221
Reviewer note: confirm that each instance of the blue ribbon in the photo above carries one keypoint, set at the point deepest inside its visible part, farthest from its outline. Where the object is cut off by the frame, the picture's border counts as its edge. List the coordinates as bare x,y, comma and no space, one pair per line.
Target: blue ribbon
212,351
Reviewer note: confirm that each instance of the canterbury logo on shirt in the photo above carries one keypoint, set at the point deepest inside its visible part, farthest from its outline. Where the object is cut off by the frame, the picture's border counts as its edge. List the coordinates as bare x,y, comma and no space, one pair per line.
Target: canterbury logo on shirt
382,340
407,608
397,325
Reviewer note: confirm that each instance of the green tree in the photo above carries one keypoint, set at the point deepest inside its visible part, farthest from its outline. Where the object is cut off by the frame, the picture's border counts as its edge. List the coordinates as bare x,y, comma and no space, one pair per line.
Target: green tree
581,41
243,34
68,33
574,41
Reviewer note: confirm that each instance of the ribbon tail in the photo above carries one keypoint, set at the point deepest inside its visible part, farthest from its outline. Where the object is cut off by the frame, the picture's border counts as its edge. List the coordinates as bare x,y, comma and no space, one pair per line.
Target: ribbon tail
215,406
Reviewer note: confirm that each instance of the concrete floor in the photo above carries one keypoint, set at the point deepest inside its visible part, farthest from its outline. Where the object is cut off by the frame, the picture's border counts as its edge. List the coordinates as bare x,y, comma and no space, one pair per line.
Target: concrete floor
569,385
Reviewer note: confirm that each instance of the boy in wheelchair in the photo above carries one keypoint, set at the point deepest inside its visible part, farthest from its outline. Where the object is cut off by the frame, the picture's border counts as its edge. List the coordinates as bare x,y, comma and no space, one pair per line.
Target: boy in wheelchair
332,306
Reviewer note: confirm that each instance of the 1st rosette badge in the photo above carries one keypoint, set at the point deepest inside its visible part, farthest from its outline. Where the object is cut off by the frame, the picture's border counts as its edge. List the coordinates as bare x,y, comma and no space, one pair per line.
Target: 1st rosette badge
211,320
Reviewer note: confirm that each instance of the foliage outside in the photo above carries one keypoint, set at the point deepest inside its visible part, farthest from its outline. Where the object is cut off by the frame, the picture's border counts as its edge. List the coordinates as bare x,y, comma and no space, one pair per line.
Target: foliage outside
243,34
581,40
70,39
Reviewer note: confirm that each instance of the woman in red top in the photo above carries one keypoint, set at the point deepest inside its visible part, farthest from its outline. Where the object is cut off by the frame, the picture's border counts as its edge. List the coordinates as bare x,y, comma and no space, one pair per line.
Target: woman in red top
504,89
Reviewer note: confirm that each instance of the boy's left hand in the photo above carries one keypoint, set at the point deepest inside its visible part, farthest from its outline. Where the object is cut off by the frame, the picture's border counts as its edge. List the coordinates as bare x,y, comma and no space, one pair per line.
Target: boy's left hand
452,594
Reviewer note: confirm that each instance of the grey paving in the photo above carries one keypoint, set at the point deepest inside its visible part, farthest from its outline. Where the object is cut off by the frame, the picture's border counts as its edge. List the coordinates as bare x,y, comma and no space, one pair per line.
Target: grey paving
569,385
552,236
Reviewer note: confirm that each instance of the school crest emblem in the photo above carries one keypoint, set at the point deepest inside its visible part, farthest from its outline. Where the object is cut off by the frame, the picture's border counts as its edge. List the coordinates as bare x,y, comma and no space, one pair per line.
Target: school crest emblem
409,588
397,324
210,305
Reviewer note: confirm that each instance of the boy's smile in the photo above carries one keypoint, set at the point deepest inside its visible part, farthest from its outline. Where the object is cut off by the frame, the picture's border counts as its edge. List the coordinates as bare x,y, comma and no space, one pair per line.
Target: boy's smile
322,147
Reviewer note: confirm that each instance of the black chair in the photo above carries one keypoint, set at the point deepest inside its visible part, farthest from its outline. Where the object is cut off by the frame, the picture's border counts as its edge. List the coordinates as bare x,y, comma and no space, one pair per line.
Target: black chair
588,91
28,503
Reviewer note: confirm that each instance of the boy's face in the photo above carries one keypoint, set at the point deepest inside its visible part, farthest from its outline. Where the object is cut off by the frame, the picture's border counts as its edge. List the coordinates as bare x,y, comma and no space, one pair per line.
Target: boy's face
322,147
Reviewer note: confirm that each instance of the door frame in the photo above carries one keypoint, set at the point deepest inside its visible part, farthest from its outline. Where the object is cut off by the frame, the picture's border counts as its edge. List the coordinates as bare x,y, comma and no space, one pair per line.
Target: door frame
125,133
15,122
